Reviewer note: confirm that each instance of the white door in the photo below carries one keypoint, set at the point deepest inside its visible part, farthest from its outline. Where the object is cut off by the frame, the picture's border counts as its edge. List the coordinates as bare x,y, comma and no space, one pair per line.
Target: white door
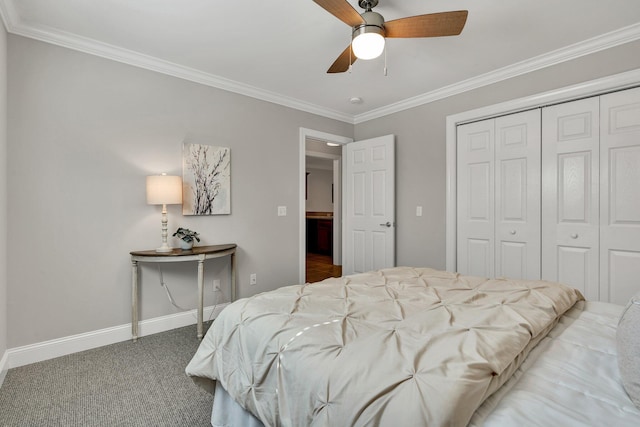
475,221
619,196
517,195
498,224
570,186
369,205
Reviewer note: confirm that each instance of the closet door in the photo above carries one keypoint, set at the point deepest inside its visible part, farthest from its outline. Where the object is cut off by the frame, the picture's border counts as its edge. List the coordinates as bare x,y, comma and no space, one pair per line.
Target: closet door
475,199
620,196
499,197
517,195
570,185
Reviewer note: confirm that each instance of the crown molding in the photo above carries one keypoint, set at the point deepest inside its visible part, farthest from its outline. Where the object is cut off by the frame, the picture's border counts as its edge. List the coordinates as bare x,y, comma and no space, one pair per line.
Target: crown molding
15,25
593,45
9,15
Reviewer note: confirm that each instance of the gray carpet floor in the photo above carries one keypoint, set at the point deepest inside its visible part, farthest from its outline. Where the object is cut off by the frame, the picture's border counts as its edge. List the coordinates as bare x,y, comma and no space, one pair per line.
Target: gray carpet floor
124,384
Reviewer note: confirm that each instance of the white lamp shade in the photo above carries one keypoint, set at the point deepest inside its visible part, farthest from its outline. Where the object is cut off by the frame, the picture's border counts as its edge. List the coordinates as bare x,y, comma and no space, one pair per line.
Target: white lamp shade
368,45
164,190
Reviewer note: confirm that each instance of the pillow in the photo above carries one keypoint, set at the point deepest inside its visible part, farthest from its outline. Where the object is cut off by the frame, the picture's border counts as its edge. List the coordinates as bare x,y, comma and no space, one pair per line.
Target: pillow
628,345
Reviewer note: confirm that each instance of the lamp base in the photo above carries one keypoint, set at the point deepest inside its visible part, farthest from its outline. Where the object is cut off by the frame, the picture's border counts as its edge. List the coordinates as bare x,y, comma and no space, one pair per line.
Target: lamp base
164,248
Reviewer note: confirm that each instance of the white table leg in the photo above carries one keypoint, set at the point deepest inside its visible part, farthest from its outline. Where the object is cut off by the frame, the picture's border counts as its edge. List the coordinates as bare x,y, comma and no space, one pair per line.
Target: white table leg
134,300
200,296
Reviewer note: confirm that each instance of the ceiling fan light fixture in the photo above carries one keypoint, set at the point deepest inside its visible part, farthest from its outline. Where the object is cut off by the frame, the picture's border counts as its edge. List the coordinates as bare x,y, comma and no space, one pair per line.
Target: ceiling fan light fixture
368,44
367,40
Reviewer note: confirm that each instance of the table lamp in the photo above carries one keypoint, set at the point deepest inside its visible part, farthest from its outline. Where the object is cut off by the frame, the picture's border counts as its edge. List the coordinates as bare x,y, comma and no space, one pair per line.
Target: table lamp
164,190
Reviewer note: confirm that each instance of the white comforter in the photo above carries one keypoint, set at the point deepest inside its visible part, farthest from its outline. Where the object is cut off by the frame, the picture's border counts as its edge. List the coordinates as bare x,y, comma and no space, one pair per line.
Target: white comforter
571,379
403,346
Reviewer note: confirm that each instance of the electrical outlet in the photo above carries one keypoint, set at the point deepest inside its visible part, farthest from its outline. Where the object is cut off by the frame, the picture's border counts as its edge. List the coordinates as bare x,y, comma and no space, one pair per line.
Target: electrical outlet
418,210
282,211
252,279
216,285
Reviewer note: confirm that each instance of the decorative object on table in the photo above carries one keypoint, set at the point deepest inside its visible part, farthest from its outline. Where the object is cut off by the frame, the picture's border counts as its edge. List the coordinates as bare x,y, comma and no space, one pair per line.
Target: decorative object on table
206,174
164,190
186,237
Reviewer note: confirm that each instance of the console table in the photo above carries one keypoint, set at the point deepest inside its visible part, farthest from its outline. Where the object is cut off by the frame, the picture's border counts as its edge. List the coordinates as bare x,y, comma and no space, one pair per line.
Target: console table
199,254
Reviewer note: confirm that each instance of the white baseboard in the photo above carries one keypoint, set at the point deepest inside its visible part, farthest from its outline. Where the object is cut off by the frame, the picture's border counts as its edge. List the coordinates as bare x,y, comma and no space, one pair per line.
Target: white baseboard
3,367
20,356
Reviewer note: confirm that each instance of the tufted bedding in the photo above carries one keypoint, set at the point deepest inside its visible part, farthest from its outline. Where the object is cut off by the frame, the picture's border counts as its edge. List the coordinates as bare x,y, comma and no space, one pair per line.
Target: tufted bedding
401,346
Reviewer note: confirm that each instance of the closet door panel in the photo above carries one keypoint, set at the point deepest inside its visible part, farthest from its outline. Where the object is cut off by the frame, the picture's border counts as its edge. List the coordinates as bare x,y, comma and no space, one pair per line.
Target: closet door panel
570,204
517,195
475,216
620,196
573,264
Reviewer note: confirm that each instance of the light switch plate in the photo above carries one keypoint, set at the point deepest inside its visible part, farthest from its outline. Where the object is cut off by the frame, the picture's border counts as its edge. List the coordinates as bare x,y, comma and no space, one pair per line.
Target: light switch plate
282,211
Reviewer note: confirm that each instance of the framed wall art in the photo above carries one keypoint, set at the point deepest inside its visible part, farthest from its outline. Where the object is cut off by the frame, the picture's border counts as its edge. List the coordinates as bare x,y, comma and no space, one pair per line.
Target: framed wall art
206,180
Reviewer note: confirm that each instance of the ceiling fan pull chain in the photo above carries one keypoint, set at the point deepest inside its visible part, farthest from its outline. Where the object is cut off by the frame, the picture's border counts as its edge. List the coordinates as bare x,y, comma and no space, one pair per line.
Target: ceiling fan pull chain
385,61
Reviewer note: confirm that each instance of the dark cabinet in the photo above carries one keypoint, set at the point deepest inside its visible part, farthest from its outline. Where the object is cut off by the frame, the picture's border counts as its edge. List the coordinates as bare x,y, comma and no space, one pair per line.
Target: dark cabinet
320,236
325,236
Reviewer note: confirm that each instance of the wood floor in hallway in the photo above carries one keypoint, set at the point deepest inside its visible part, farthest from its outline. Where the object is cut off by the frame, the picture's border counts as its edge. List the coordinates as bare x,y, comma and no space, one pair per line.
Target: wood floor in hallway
320,267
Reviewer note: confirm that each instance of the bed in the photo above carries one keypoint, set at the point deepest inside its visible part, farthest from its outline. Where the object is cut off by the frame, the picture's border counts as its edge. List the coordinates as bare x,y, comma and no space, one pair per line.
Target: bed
417,346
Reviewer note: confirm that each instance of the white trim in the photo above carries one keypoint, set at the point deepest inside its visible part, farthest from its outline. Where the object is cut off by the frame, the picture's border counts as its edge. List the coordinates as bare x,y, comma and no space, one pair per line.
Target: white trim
581,90
322,155
38,352
15,25
337,211
3,367
302,149
10,17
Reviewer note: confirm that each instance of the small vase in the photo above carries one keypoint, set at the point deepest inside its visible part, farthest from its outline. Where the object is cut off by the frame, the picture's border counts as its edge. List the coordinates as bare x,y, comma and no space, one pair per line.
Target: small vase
186,245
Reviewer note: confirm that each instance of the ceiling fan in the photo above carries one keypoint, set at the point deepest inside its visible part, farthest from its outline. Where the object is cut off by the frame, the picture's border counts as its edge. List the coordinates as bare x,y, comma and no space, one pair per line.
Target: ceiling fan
370,30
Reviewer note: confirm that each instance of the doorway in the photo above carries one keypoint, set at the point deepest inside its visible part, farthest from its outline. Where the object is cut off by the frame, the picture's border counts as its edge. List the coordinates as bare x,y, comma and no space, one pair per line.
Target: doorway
322,186
320,220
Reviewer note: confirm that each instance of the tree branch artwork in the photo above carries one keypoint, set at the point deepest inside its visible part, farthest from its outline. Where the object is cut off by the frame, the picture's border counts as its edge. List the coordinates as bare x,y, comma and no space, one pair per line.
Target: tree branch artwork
206,180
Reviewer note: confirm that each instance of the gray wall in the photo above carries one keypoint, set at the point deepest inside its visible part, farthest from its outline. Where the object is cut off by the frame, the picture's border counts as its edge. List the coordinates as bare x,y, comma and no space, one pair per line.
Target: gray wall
3,191
83,134
319,190
421,139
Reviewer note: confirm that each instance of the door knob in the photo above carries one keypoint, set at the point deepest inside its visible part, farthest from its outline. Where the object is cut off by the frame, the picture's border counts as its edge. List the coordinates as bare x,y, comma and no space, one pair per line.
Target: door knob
386,224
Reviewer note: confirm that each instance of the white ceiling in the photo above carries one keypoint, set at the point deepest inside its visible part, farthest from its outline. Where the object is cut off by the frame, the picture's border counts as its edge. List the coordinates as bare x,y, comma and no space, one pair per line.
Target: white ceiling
279,50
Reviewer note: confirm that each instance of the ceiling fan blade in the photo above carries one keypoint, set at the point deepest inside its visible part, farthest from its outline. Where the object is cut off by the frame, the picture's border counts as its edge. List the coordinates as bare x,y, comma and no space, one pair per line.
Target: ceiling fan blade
342,10
343,62
430,25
